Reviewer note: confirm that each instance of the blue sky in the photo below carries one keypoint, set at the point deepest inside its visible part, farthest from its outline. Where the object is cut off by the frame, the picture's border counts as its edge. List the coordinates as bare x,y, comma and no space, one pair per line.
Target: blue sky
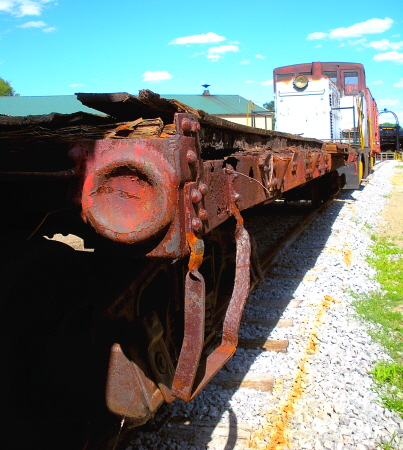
173,47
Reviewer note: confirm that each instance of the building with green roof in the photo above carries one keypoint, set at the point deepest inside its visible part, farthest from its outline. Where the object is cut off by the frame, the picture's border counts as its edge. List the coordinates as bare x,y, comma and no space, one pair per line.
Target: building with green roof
230,107
41,105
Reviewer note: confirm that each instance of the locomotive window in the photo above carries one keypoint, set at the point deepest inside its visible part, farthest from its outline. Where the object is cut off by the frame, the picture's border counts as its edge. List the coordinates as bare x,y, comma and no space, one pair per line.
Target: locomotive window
281,76
351,83
332,75
305,73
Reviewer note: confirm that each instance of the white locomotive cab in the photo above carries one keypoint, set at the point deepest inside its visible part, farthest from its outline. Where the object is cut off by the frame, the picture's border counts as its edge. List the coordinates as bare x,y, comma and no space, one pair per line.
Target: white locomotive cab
308,111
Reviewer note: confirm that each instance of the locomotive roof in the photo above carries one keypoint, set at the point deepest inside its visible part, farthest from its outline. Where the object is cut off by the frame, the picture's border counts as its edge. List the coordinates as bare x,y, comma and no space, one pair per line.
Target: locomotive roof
305,67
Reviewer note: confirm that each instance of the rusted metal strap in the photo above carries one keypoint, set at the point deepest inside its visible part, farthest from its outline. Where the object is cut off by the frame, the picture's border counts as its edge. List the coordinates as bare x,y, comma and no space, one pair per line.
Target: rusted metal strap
193,341
189,360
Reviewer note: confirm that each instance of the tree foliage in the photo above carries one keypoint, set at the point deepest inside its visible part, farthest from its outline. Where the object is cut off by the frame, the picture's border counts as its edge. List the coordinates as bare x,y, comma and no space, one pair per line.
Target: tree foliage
269,105
388,124
5,88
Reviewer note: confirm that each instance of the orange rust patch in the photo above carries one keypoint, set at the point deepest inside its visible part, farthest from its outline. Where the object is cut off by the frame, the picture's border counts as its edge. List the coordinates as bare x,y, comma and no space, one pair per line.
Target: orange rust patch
195,259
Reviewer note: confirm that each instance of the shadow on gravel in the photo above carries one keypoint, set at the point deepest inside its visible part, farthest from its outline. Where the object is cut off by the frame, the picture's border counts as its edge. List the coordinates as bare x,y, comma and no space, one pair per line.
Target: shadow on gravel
200,422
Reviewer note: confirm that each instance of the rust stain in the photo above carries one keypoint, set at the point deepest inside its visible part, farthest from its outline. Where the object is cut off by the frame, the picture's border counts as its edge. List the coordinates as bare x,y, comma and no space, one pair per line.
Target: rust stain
275,435
347,256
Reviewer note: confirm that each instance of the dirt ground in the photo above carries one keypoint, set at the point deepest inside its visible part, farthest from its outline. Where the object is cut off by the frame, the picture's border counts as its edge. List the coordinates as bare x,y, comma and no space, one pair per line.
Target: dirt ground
393,213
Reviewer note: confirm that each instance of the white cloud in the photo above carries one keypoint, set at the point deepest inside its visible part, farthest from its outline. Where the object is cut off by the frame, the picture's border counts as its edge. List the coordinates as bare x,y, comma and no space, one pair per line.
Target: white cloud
245,62
21,8
267,83
250,82
371,26
214,57
318,46
33,24
156,76
207,38
214,53
384,45
316,35
378,82
223,49
389,56
38,24
388,102
76,85
260,57
399,84
357,42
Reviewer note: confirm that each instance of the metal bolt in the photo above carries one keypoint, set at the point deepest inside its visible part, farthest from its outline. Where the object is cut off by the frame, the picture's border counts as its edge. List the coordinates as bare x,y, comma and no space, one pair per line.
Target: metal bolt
203,188
197,224
191,157
196,196
203,214
196,127
186,125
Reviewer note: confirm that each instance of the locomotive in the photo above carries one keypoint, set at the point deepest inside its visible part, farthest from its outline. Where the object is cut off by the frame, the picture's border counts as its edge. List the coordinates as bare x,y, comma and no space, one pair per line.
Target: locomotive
330,101
148,308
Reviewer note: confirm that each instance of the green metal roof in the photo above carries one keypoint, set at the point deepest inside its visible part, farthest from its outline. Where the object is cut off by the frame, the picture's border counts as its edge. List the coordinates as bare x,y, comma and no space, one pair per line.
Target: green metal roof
218,104
36,106
68,104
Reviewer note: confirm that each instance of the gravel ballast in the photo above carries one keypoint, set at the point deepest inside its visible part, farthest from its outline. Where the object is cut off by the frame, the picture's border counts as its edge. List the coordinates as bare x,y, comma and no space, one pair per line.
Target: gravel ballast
323,396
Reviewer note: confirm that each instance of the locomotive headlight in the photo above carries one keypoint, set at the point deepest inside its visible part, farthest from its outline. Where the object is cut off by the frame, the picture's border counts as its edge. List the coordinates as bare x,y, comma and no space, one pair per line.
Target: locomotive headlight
301,82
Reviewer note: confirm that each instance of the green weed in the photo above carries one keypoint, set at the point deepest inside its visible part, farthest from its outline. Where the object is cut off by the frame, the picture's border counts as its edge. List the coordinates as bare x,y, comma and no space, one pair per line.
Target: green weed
385,308
387,445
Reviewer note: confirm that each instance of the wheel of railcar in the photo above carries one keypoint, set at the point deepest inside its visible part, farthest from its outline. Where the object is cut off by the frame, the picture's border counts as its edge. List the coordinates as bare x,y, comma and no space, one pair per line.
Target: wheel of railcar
52,373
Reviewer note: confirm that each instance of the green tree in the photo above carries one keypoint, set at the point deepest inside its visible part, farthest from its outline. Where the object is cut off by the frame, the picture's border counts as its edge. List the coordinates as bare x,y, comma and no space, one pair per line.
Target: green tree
269,105
5,88
388,124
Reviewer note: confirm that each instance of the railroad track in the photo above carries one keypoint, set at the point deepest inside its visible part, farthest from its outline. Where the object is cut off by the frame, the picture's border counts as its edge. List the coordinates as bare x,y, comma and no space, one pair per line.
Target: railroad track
266,333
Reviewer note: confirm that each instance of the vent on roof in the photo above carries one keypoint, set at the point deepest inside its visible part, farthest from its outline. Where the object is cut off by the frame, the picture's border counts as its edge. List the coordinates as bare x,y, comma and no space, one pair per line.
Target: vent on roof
206,91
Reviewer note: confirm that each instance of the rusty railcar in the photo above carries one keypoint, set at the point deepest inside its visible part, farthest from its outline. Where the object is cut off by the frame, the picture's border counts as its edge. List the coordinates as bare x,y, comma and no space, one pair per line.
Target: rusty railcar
149,309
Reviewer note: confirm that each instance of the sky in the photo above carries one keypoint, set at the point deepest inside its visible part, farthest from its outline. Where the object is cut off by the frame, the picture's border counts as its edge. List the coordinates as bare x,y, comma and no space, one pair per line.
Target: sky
173,47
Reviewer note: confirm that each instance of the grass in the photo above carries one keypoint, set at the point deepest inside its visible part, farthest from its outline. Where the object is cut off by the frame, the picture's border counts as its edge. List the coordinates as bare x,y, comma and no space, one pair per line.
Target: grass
385,308
388,445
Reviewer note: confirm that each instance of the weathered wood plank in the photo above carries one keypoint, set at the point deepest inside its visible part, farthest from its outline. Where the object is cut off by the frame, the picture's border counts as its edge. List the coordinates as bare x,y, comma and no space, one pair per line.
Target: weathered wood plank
273,345
258,381
201,432
270,323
